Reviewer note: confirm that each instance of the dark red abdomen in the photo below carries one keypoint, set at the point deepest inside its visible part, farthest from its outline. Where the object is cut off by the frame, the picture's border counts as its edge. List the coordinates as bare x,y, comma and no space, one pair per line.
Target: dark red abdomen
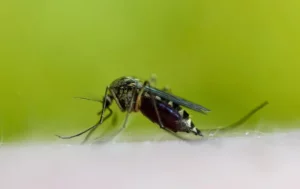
170,118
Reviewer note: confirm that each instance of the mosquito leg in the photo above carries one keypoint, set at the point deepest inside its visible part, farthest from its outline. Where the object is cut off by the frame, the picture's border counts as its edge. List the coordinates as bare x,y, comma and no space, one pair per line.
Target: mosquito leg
166,89
125,120
153,80
89,129
93,127
138,102
139,97
175,106
110,137
76,135
105,99
127,113
241,121
104,104
147,83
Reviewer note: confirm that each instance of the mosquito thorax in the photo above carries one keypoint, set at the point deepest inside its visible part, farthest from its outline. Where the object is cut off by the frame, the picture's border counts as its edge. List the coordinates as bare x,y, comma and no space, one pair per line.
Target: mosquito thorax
124,81
123,89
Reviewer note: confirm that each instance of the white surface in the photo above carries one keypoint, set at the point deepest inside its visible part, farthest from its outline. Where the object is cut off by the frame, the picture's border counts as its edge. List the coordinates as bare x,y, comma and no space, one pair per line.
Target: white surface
244,162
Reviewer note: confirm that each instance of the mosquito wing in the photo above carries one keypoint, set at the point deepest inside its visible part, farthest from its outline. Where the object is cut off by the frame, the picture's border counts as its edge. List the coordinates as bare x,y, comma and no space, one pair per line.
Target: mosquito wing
177,100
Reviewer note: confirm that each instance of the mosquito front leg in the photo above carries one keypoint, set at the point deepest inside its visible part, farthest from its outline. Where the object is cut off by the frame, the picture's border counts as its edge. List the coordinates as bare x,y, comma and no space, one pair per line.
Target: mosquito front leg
105,105
126,118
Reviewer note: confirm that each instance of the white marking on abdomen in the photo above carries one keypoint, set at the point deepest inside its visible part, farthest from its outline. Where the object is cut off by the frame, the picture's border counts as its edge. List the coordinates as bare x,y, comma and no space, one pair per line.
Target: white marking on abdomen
189,121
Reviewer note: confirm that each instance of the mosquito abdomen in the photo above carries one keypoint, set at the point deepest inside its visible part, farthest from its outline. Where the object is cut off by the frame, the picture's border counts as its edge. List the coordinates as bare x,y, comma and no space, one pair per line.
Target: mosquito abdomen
170,117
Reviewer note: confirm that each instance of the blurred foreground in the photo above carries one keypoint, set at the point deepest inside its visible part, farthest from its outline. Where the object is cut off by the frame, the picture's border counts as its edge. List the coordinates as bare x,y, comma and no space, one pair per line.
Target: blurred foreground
269,161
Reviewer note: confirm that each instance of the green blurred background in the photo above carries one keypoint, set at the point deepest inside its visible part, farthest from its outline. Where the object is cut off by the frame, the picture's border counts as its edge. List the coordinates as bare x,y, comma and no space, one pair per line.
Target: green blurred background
226,55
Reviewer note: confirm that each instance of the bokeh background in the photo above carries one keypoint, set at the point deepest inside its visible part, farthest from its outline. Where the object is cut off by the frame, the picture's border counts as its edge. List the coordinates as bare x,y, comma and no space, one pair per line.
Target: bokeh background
226,55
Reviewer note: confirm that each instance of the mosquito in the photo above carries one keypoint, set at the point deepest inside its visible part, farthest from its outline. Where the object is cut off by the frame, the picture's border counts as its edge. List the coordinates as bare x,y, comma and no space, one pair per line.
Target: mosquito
158,105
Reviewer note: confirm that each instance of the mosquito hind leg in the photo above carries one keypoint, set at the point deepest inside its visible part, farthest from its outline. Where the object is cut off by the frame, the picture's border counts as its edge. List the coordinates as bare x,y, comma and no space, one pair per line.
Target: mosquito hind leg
212,132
